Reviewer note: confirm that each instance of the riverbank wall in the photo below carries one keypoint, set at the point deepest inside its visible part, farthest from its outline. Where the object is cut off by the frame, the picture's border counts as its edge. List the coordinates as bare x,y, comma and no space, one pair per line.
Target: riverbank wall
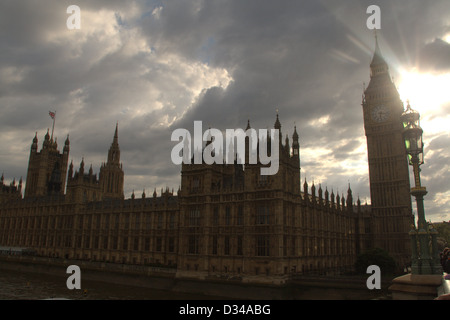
299,288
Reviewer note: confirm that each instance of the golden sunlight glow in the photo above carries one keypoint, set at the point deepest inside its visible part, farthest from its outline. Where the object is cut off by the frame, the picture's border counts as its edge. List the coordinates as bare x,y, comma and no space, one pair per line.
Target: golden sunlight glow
428,94
447,37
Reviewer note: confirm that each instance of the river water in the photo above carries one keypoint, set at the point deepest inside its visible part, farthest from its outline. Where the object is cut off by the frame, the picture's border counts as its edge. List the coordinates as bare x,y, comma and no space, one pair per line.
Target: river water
33,286
16,285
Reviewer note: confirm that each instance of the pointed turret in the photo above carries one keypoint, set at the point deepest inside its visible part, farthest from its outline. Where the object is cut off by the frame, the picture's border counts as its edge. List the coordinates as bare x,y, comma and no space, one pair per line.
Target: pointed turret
46,142
34,145
378,66
111,173
349,198
377,58
248,125
114,150
81,171
277,126
277,123
66,145
295,144
116,134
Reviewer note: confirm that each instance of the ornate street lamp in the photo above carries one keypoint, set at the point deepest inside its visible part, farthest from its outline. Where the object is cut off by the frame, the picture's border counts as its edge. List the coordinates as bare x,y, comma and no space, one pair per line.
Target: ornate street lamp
425,258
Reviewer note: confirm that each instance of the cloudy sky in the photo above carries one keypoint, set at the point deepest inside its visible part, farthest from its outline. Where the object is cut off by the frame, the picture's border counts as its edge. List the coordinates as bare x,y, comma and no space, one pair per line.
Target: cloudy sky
154,66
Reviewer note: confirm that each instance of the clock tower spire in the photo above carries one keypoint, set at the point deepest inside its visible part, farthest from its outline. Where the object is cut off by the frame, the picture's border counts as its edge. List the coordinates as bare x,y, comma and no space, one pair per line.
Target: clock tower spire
391,214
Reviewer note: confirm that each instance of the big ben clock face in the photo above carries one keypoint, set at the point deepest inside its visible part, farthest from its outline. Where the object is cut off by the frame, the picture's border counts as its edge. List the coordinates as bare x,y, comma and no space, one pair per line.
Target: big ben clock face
380,113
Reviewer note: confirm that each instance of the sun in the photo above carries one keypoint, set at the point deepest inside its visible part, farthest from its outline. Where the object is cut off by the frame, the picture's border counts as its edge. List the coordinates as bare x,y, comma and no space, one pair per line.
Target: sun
428,93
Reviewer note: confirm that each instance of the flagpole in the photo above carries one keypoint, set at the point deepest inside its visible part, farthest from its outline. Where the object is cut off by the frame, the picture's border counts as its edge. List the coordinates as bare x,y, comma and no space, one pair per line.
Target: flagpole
53,128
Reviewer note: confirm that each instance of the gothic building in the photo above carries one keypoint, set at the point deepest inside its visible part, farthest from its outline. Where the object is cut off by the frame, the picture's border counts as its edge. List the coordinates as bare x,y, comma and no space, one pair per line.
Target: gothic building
388,166
82,187
47,169
227,221
9,193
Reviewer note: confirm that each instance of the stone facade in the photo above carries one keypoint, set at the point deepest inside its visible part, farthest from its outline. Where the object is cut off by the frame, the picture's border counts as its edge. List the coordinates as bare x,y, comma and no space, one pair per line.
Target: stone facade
227,221
388,166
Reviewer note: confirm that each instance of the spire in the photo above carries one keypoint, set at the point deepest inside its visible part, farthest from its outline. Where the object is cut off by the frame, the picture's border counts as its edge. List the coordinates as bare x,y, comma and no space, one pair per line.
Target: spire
349,195
81,170
66,145
116,135
277,123
114,150
295,144
277,126
378,64
248,125
46,142
34,145
295,135
377,47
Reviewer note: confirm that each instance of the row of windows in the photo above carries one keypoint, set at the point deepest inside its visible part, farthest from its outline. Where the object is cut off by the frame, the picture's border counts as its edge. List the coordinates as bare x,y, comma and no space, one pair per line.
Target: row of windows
97,242
262,245
86,222
262,216
309,246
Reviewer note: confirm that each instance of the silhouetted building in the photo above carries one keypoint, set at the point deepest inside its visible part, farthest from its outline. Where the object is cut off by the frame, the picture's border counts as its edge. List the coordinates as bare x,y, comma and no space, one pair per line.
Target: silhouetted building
391,216
227,220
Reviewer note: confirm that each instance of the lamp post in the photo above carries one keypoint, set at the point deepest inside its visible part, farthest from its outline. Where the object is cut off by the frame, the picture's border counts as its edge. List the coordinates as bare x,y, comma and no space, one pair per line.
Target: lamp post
425,259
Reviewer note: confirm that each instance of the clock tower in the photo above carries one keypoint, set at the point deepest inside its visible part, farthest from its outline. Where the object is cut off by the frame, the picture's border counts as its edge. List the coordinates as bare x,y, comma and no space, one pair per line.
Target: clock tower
391,215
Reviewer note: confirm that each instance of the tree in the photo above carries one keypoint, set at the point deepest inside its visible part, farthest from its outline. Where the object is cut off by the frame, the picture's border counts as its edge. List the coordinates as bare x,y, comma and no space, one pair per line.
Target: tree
375,256
443,230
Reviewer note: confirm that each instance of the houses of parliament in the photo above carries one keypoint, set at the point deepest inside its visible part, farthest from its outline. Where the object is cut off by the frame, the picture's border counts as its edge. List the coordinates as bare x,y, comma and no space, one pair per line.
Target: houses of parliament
226,220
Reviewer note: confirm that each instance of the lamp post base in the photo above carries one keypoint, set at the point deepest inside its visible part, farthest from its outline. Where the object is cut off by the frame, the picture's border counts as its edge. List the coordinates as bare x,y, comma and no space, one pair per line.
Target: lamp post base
419,287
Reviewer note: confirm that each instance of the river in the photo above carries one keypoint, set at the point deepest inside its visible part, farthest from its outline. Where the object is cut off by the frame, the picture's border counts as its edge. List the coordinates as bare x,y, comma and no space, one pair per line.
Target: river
33,286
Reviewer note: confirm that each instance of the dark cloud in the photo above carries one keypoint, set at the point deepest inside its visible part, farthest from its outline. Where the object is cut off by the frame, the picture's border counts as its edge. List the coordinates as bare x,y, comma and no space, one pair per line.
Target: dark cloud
435,56
155,66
